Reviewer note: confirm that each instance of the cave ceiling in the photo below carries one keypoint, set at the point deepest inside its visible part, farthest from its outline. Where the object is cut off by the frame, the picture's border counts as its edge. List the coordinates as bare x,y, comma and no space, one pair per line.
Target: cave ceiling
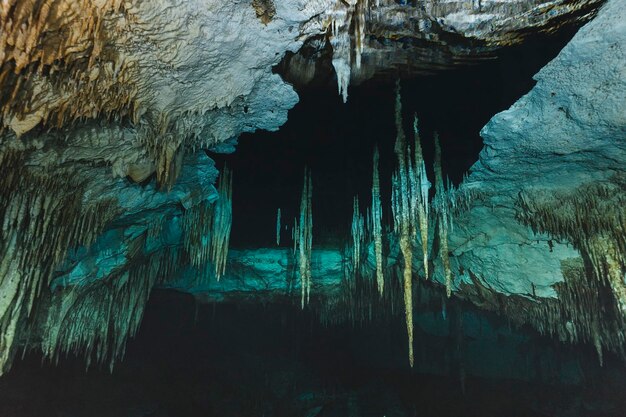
107,108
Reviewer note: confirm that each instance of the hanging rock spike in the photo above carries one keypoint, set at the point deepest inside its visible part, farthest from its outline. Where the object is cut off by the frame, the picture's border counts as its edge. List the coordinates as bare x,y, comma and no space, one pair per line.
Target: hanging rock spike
377,214
442,202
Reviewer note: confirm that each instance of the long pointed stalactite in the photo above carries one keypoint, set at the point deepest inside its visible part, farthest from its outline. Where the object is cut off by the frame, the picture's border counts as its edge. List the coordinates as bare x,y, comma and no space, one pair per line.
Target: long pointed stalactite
340,19
403,224
358,235
421,195
377,229
222,221
443,217
304,231
295,236
361,8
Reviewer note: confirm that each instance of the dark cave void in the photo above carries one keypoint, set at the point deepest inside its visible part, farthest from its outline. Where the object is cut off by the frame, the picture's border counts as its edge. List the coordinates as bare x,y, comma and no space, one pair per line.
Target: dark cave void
243,360
336,141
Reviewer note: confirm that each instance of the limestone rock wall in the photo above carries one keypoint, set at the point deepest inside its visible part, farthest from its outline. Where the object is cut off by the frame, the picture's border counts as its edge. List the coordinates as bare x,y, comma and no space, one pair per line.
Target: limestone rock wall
551,179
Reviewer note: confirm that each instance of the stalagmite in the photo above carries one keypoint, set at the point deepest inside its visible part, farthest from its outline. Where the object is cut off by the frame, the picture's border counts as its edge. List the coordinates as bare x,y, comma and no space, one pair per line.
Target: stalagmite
401,193
305,237
442,204
377,214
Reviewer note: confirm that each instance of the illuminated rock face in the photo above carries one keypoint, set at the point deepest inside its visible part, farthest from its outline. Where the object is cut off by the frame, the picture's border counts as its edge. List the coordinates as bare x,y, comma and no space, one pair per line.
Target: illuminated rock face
416,38
161,61
569,130
554,164
133,91
201,69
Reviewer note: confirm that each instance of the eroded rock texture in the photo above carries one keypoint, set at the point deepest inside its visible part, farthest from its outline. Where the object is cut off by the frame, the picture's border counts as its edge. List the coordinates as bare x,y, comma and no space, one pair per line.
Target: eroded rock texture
389,37
554,163
107,106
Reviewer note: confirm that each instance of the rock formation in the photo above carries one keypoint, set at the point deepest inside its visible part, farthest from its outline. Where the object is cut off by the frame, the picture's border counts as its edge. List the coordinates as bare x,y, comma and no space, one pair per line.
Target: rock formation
107,108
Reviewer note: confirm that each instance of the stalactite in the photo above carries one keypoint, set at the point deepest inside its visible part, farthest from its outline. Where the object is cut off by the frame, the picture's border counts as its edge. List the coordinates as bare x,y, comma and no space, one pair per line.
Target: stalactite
358,235
95,320
443,217
305,238
359,30
377,214
42,217
165,145
344,15
423,186
295,235
207,229
339,37
278,227
197,232
155,227
222,221
593,219
402,200
57,66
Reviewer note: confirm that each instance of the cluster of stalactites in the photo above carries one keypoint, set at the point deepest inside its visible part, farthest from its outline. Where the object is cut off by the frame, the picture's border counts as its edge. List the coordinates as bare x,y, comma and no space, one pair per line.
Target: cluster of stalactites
96,320
207,229
56,64
410,200
411,207
40,218
167,138
165,146
303,231
197,231
593,218
411,211
346,14
366,229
